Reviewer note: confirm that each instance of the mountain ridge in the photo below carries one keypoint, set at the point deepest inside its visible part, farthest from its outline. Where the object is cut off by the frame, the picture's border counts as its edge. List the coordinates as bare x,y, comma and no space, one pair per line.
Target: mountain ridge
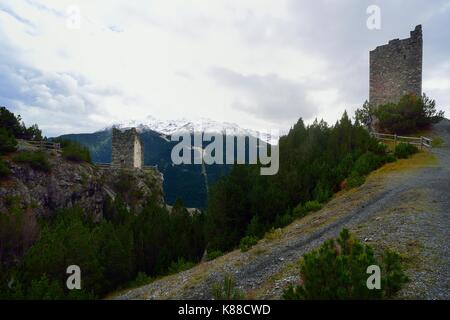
181,125
188,182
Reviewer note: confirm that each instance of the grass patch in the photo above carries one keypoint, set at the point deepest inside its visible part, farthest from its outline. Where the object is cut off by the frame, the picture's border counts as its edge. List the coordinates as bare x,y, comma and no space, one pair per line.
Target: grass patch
227,290
37,160
437,142
259,251
287,270
180,265
213,255
411,257
75,151
418,160
247,242
405,150
142,279
355,181
273,234
302,210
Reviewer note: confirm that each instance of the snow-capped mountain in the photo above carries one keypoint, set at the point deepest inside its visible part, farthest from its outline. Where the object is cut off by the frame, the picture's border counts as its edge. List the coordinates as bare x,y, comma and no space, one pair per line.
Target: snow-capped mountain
184,181
169,127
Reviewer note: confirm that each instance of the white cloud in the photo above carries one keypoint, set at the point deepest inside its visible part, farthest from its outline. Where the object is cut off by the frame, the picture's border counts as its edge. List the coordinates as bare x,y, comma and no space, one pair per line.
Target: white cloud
267,97
274,60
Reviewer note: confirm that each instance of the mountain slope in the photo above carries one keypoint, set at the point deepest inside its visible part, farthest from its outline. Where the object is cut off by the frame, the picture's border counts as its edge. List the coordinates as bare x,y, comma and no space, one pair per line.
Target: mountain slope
403,206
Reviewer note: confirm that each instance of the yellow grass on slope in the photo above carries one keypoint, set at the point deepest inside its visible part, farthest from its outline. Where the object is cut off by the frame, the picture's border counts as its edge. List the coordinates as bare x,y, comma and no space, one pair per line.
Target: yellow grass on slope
419,160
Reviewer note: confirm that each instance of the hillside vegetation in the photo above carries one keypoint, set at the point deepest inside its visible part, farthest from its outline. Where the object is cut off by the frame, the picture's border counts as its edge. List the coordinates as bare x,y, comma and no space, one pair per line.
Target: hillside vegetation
54,212
409,115
315,162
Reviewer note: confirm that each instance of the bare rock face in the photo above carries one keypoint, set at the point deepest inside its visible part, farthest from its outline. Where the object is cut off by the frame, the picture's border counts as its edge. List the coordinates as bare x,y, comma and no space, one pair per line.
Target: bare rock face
82,184
135,186
66,185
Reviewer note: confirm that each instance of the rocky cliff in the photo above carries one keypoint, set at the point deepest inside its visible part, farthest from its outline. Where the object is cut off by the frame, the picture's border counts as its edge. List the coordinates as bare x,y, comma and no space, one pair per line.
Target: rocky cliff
68,183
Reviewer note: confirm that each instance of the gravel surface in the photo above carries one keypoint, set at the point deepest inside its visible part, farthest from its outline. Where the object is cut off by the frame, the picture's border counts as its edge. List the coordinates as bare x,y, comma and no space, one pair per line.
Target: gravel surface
406,210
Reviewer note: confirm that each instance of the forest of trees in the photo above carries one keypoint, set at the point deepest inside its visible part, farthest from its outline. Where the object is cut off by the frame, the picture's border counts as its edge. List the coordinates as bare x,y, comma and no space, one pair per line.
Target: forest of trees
111,254
124,247
314,161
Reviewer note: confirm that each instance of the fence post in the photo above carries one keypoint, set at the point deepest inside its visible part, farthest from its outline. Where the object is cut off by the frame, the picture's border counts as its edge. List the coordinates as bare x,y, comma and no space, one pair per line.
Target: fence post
421,142
395,140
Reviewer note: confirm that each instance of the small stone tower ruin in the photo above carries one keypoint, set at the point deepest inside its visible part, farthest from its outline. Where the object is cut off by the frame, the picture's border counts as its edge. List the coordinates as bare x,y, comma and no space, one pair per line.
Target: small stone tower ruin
127,149
396,69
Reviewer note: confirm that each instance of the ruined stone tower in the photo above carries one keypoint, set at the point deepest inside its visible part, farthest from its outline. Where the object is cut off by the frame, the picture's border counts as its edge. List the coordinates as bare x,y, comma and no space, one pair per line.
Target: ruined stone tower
127,149
396,69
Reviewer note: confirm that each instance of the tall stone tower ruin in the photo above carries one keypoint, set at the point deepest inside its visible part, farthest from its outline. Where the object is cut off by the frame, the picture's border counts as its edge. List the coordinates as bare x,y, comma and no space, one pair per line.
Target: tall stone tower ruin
127,149
396,69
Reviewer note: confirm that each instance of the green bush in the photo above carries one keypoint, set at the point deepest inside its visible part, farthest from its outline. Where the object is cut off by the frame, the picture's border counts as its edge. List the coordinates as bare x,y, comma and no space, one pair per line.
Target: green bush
141,279
282,220
404,150
7,141
255,227
213,255
409,115
312,206
380,148
338,270
45,289
37,160
180,265
367,163
303,209
390,158
355,181
247,242
75,151
4,169
299,211
227,290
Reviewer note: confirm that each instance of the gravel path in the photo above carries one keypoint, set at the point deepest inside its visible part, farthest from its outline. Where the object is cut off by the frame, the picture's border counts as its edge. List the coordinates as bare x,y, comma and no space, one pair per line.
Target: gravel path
407,211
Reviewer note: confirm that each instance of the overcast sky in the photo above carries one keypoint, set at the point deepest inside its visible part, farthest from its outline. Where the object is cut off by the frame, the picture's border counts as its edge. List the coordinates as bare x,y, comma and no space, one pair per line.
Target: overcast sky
259,63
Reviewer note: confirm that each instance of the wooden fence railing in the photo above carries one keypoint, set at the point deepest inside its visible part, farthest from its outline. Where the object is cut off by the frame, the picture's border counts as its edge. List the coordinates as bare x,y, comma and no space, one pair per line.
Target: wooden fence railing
418,141
115,166
41,144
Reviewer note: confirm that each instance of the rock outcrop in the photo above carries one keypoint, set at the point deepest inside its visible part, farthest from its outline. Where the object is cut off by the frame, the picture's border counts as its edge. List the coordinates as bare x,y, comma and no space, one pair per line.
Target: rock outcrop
69,183
135,186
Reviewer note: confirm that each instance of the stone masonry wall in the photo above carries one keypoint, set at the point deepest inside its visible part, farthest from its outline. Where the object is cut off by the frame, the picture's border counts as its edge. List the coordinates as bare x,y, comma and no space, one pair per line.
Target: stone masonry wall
396,69
127,149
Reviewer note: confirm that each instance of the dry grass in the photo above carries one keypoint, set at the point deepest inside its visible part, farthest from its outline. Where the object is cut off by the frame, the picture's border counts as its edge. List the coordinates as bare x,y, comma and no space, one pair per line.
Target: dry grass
273,234
287,270
257,251
419,160
437,142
